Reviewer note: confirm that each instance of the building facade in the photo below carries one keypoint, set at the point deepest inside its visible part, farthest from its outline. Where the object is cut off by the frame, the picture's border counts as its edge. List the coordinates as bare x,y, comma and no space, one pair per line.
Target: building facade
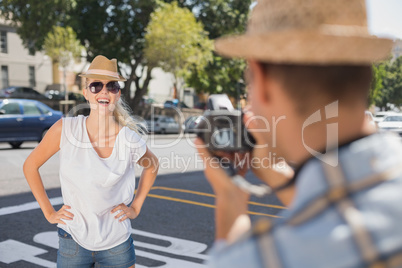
18,66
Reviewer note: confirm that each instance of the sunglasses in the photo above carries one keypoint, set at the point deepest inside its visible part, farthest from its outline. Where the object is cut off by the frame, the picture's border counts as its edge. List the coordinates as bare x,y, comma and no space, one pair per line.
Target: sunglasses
112,87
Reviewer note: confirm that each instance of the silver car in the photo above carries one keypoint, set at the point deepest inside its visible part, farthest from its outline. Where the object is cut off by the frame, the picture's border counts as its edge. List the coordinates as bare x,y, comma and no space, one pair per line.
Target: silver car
391,123
191,123
163,124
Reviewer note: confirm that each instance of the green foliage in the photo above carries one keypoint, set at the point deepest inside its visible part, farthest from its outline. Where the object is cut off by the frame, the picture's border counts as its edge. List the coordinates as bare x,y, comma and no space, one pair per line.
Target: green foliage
175,40
387,83
62,46
220,76
113,28
393,81
116,29
35,19
377,92
221,17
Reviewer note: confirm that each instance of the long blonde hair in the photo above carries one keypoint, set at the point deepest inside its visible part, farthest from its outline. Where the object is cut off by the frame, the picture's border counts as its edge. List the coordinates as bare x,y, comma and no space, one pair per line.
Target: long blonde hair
122,115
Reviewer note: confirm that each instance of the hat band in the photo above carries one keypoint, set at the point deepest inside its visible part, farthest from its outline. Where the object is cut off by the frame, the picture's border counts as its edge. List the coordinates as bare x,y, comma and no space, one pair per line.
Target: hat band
346,30
103,72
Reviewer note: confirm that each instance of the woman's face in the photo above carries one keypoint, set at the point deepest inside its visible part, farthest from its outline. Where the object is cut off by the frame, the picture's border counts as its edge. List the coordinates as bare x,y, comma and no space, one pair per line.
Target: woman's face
102,95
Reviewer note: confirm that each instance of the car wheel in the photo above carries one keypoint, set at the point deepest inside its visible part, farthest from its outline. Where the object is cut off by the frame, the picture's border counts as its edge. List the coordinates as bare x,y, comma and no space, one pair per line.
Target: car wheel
15,144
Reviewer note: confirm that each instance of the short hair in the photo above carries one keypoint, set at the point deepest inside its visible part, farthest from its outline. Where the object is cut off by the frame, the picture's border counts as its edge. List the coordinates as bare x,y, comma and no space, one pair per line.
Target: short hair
305,83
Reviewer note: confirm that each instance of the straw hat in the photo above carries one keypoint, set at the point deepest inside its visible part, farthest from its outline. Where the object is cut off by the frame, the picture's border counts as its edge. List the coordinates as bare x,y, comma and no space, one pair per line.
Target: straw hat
104,69
307,32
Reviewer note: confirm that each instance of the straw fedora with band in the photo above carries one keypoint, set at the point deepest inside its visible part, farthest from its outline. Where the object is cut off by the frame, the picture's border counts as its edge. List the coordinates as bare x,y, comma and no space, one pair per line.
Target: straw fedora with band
103,69
307,32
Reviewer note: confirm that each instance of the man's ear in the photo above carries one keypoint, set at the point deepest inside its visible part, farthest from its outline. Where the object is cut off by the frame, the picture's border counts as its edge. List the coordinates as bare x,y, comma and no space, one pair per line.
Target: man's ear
258,81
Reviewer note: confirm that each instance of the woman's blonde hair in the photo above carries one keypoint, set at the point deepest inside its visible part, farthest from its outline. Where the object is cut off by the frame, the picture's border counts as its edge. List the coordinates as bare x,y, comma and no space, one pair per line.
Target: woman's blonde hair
122,115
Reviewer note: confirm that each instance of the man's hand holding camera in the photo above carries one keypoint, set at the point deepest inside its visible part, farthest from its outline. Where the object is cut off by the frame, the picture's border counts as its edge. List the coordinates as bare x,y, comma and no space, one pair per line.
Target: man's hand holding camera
232,200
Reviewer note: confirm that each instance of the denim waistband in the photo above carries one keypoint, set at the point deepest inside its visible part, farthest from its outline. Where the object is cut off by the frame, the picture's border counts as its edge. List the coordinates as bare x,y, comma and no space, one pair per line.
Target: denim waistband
63,233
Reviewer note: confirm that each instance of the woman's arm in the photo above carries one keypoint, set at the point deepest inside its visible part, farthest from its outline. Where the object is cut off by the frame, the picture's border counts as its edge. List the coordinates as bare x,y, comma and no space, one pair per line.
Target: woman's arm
46,149
148,176
147,179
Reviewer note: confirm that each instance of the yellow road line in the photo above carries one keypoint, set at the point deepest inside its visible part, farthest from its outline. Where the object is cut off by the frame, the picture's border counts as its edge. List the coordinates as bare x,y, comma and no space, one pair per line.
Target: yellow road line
212,195
181,190
203,204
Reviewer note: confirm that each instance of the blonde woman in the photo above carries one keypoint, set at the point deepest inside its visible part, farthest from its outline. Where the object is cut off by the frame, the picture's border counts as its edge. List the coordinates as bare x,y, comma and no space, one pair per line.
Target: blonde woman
97,159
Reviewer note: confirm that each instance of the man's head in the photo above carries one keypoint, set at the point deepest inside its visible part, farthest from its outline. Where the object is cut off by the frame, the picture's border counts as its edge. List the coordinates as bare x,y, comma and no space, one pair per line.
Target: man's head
305,84
304,55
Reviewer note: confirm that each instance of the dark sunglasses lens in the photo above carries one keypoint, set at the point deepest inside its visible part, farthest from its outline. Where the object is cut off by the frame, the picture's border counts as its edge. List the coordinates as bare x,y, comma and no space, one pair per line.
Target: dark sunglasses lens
95,87
113,87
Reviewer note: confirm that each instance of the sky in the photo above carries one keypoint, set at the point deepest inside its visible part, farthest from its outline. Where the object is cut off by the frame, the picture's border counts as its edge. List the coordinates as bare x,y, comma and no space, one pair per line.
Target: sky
385,18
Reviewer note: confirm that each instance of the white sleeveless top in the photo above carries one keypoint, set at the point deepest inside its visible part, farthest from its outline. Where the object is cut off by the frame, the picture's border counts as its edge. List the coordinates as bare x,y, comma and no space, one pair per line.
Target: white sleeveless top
92,186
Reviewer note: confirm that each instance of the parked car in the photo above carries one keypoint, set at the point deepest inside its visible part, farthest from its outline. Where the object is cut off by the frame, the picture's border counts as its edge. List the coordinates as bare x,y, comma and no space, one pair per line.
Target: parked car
163,124
191,122
25,120
21,92
57,95
391,123
171,103
145,101
379,116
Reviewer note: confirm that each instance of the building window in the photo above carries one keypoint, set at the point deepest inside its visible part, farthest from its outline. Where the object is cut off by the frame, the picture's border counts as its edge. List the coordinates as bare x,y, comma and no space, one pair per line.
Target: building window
3,42
4,76
32,81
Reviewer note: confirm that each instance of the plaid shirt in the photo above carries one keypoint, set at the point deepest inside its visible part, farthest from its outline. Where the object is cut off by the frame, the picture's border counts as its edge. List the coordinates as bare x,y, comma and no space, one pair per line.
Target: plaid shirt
348,215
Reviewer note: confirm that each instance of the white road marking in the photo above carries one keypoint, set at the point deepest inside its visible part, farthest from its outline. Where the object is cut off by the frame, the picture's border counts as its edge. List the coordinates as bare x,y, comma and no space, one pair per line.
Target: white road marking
13,251
28,206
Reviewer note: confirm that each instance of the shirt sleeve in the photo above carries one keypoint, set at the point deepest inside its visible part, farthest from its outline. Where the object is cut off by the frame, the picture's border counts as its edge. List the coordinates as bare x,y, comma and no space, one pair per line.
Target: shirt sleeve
138,146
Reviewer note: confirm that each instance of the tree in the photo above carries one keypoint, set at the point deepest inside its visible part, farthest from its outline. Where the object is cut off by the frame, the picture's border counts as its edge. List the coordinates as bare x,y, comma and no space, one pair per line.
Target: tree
387,83
377,89
221,18
35,19
175,41
116,29
62,46
393,81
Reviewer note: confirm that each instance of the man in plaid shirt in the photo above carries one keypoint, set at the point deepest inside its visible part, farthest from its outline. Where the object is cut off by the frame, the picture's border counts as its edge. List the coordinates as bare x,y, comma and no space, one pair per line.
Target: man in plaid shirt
310,65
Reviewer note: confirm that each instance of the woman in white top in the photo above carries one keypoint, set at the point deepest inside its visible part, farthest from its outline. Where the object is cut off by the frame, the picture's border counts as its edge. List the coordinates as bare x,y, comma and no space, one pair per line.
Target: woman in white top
98,154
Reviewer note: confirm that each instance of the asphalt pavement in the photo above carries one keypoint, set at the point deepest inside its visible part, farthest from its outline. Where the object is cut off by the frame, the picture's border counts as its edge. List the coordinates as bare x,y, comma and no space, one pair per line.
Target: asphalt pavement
175,227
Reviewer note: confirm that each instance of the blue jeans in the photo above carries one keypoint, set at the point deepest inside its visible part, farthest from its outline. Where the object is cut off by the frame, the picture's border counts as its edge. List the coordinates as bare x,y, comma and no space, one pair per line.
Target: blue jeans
70,254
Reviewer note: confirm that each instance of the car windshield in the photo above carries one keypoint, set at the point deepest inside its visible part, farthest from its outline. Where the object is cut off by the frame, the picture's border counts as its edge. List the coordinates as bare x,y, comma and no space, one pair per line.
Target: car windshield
393,119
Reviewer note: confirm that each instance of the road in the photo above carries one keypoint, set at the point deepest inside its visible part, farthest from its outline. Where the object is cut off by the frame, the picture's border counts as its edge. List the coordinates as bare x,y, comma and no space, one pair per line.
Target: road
175,227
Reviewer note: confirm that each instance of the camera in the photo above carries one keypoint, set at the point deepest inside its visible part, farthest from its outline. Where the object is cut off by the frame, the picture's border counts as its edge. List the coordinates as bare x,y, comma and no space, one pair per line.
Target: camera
222,128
